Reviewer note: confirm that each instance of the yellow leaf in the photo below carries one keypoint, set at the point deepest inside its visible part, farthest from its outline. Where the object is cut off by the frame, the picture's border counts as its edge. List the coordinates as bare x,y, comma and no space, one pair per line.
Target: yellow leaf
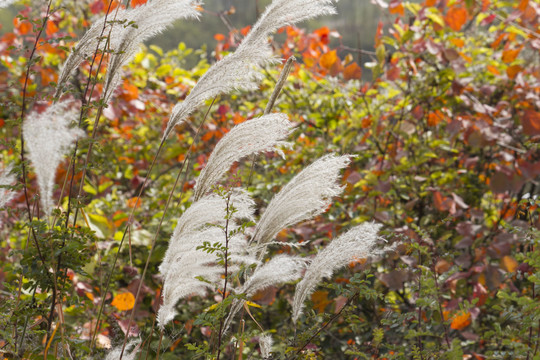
509,264
124,301
249,303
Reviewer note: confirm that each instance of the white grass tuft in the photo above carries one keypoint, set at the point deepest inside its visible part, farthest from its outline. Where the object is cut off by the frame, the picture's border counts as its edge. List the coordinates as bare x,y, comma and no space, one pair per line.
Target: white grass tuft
308,194
48,137
250,137
357,243
130,28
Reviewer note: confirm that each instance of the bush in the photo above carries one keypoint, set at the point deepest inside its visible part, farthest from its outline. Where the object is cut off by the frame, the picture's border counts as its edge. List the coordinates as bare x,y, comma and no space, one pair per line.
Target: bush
138,211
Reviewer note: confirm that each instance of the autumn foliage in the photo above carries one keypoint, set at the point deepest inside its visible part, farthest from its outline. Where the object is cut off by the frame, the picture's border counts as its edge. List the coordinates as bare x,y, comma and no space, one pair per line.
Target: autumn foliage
442,117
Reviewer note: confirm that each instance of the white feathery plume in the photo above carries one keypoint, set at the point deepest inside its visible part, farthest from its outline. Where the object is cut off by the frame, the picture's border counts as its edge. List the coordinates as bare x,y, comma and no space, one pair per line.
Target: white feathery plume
184,263
48,138
131,28
182,277
265,343
115,353
250,137
240,70
208,210
278,270
359,242
308,194
6,179
149,20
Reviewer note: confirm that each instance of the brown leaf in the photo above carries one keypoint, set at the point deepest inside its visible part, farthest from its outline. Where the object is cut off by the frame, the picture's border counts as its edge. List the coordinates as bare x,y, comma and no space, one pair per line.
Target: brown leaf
352,71
531,122
320,300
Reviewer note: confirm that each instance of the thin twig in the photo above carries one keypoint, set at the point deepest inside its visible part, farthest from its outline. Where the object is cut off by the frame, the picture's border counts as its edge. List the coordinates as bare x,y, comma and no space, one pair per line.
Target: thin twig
334,317
277,90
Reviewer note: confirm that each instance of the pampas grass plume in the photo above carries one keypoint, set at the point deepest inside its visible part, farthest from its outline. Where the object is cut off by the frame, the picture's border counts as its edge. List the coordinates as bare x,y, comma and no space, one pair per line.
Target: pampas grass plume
48,137
359,242
250,137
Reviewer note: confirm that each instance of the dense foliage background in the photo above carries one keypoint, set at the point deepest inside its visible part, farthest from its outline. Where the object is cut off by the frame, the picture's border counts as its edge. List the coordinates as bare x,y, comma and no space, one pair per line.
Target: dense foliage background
446,144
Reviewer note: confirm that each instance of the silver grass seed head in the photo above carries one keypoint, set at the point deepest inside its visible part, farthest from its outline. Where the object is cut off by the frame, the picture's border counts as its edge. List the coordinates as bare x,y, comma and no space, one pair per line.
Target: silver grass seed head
6,179
208,211
130,351
308,194
128,28
265,343
358,242
148,20
250,137
278,270
48,137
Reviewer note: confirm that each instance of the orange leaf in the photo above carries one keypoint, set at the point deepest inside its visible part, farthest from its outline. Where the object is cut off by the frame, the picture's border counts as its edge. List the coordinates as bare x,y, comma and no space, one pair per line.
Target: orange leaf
531,122
498,41
320,300
434,118
457,42
461,320
134,202
492,69
135,3
323,34
396,8
207,136
328,59
429,3
510,55
509,264
245,30
124,301
378,34
456,18
24,27
523,5
130,92
51,28
352,71
513,70
219,37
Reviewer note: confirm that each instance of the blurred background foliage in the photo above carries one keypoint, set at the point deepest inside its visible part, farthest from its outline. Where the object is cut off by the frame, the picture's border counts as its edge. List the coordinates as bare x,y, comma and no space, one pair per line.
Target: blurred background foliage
446,136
